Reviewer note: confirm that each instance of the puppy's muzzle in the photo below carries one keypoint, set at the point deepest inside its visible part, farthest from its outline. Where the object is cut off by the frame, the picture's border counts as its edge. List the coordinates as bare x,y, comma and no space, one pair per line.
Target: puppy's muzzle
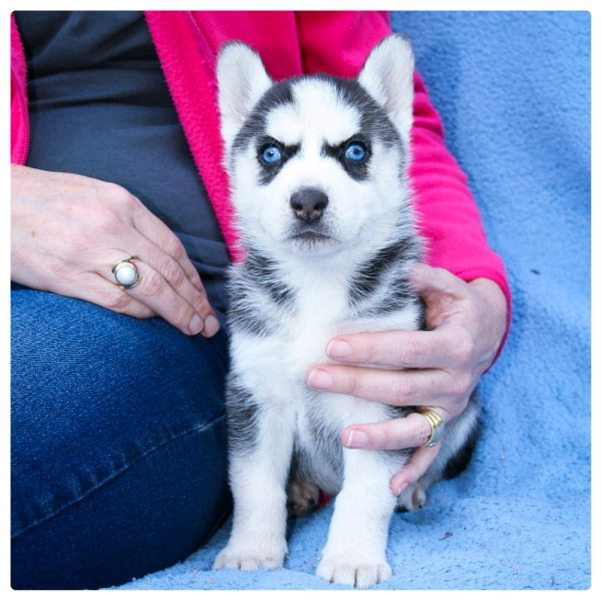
308,204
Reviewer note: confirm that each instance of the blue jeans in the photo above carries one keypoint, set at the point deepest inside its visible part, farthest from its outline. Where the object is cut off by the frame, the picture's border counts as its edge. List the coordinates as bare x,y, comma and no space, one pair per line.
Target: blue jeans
118,443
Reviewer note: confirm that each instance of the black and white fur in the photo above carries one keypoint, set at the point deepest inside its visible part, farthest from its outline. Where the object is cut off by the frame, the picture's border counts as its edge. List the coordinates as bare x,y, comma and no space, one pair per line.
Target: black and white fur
319,175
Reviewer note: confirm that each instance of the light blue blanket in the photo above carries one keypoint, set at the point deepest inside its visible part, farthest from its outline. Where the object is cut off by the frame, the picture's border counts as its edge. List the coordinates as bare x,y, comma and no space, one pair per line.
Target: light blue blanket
513,89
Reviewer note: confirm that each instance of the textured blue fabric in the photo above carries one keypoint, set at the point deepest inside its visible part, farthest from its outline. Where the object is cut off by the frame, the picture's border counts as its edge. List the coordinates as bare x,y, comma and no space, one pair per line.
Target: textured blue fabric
118,443
514,92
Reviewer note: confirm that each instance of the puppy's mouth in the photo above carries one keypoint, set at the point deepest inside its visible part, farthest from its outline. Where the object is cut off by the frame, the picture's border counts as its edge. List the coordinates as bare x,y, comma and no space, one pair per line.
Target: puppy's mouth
312,237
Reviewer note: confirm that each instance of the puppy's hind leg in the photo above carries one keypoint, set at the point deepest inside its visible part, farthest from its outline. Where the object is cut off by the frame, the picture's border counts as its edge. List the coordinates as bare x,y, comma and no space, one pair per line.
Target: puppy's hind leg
303,497
258,472
454,455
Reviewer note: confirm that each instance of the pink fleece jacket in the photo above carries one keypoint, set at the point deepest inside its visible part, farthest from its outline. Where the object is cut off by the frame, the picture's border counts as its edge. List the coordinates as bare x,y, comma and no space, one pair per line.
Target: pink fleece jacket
291,43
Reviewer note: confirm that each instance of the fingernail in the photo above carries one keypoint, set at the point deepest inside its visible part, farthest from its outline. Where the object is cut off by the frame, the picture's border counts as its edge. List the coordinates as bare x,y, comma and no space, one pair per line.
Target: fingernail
320,380
211,326
356,439
196,325
400,488
338,349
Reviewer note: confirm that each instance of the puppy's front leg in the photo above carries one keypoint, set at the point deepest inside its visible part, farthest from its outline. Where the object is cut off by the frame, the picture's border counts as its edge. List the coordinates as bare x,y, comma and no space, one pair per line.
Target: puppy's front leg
258,472
355,553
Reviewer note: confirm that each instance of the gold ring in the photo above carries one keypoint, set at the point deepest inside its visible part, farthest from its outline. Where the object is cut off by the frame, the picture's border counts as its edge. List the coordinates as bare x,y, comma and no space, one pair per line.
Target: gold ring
126,273
437,424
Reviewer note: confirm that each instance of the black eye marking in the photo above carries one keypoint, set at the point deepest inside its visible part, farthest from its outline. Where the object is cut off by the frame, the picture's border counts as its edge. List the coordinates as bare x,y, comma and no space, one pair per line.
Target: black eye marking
353,154
272,156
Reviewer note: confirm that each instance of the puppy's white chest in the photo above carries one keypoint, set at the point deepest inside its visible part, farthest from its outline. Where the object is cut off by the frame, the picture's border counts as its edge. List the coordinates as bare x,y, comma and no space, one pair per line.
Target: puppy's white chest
311,328
278,364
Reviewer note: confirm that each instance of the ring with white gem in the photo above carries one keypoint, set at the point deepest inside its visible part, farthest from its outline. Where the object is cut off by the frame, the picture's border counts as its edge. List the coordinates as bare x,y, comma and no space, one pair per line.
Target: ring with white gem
126,273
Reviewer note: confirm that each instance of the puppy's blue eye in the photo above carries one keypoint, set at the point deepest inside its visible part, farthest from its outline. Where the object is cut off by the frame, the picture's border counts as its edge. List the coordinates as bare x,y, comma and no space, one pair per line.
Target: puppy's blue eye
271,154
355,151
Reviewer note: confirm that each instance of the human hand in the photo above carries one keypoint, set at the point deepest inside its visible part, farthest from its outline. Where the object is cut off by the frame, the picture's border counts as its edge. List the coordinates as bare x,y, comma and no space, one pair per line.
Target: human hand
437,369
69,230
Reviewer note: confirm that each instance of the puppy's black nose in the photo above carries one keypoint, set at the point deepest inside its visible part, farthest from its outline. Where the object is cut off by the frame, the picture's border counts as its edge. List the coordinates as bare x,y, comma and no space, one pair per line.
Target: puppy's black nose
308,204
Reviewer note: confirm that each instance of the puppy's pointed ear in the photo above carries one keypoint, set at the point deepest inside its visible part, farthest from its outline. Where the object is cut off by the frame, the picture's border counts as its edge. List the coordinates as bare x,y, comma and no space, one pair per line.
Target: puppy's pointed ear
387,75
242,80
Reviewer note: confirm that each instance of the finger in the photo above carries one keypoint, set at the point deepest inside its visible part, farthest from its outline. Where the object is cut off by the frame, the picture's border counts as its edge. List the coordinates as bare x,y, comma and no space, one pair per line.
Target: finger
417,465
440,290
109,295
398,388
154,291
163,251
429,280
159,247
174,275
397,434
150,297
97,290
160,235
402,349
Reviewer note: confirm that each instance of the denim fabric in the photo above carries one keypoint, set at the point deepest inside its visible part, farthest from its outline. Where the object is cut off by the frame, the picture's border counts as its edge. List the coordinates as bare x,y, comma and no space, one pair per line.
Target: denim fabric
118,443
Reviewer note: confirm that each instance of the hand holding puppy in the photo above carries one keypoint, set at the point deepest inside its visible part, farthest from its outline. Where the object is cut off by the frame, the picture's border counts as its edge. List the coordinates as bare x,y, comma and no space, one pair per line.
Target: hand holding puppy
466,324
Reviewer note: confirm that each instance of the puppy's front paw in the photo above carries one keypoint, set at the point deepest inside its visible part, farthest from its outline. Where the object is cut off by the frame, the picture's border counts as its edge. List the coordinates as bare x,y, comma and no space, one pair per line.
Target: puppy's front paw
249,558
358,573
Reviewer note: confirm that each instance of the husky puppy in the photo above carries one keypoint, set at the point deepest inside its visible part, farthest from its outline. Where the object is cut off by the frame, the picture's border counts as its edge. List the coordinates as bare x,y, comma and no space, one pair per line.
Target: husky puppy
319,175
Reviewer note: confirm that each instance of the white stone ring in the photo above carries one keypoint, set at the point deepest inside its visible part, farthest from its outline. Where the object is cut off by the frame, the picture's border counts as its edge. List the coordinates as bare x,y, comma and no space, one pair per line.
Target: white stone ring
126,273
